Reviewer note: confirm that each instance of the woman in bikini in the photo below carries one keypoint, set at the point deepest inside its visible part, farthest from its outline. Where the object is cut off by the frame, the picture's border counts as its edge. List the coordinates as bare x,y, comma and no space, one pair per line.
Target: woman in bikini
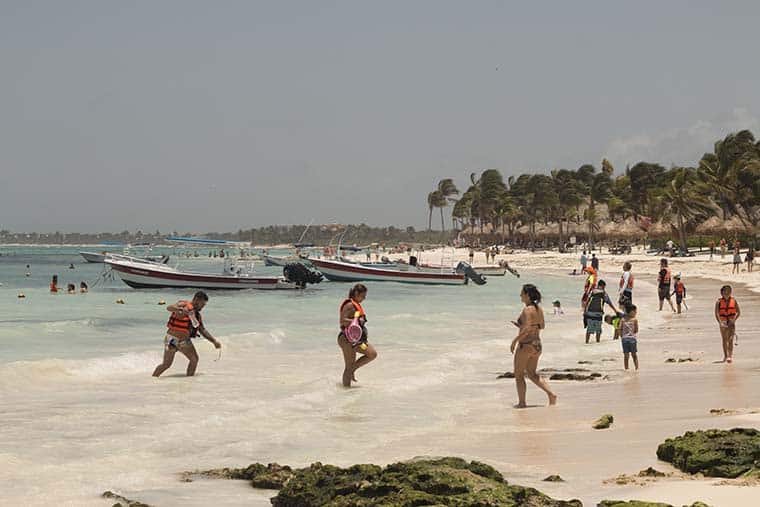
527,345
347,312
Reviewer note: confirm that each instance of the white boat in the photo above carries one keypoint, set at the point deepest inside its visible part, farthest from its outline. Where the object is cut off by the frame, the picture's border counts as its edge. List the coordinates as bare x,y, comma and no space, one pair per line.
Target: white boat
100,258
95,258
140,275
491,270
341,271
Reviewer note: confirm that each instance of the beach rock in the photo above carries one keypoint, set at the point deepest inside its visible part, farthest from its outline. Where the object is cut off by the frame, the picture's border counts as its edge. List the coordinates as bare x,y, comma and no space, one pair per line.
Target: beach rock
553,478
681,360
722,411
578,374
604,422
714,453
123,502
271,476
651,472
443,481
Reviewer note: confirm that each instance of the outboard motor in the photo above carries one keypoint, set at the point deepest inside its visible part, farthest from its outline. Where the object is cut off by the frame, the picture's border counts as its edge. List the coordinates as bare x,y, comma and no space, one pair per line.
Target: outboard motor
470,273
301,275
412,260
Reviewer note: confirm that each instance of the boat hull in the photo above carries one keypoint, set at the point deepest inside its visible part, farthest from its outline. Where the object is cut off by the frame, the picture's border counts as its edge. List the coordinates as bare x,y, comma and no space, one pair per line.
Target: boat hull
483,270
93,257
146,277
348,272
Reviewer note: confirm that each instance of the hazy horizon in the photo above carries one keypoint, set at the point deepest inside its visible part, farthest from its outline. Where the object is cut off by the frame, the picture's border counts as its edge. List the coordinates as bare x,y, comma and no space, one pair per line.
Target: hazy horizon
193,116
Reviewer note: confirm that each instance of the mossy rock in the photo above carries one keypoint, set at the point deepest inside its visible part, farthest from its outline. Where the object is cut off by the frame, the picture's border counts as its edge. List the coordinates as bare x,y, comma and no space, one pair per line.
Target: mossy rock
446,481
714,453
604,422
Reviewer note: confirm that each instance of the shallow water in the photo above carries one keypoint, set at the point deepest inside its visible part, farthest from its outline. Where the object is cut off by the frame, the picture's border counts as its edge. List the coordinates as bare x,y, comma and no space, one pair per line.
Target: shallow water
81,413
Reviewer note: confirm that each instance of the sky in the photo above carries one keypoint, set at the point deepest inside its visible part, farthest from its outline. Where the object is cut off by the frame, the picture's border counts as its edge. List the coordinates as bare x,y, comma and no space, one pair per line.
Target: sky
215,116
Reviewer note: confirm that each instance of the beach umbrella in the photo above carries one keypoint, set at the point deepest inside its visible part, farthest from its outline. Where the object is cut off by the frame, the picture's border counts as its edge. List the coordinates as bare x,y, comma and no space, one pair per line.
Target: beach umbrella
711,225
660,229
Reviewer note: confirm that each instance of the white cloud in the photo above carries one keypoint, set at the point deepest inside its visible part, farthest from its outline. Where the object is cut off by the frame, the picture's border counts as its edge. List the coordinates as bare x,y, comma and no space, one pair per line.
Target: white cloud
680,146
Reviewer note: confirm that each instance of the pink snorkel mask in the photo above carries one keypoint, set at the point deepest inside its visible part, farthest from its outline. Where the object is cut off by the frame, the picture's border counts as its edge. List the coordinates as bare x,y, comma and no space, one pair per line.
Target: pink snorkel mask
354,330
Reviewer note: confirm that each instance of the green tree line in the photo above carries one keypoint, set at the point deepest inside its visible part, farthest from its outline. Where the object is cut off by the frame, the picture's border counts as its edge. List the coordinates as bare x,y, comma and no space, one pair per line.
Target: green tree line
723,183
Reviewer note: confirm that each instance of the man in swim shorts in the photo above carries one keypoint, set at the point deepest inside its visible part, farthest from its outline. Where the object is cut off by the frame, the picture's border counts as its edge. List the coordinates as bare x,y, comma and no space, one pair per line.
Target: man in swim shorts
184,324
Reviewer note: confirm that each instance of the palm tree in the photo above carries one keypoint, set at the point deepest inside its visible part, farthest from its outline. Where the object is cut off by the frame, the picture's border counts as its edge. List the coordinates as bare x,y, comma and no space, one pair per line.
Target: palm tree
569,193
432,199
598,188
686,199
447,190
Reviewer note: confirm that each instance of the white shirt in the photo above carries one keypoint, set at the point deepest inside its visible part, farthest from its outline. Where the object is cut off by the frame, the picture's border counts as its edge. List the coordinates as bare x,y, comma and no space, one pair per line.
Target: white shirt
626,281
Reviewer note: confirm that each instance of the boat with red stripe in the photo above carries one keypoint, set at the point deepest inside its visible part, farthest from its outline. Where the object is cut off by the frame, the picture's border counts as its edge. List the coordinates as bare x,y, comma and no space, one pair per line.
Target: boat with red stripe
341,271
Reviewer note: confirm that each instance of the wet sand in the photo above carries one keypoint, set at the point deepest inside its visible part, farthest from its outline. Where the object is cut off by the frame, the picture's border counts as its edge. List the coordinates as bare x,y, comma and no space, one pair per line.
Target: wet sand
660,401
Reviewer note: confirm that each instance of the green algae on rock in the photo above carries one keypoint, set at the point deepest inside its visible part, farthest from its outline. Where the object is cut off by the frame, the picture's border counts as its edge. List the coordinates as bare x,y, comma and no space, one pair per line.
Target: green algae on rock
271,476
714,453
123,502
446,481
603,422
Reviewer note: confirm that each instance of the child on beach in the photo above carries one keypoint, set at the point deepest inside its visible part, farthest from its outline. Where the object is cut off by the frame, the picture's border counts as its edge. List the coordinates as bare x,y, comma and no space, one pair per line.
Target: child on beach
679,289
614,321
557,307
629,330
727,312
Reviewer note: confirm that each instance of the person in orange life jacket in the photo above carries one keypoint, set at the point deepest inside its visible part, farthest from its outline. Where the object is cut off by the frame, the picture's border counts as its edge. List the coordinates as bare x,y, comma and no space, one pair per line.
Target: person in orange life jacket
663,284
726,313
184,324
54,284
679,289
348,311
625,288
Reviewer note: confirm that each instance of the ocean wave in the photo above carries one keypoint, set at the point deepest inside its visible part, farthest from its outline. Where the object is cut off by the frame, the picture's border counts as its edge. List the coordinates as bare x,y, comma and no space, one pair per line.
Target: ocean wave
51,370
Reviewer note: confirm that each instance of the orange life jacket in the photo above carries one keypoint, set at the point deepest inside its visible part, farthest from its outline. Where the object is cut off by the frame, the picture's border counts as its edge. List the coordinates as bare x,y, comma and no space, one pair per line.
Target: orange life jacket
357,308
53,287
666,279
680,288
727,309
183,323
630,282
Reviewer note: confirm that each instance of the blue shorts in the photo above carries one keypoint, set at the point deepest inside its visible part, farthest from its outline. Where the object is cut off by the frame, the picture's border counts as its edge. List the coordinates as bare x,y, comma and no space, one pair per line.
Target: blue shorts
629,345
593,326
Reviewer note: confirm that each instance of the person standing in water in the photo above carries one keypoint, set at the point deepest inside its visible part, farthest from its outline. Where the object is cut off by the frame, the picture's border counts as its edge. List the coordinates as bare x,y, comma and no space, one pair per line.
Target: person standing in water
727,312
629,330
54,284
625,287
350,309
184,324
663,284
526,346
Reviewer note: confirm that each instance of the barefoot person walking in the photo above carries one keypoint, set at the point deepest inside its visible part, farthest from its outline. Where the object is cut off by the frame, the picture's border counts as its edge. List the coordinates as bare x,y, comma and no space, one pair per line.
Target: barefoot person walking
527,345
726,313
352,340
184,324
